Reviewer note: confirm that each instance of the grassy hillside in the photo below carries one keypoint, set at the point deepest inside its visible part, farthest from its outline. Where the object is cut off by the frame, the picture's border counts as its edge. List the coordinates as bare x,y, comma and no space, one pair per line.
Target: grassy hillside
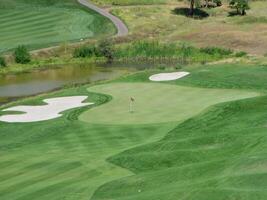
43,23
163,22
217,155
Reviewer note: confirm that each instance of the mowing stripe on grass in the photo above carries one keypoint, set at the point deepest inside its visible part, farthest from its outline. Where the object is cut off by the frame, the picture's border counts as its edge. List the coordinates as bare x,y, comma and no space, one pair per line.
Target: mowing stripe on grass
156,102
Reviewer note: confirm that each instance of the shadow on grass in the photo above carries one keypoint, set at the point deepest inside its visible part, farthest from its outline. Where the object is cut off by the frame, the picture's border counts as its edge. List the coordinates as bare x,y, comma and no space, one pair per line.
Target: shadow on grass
198,13
236,13
233,13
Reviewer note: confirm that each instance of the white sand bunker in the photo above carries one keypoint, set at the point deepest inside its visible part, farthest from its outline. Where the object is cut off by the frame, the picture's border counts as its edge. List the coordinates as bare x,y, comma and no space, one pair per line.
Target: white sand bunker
44,112
168,76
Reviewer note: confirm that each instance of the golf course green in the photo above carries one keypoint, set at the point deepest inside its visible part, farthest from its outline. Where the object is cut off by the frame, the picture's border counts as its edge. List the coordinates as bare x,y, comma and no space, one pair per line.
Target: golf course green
202,137
42,23
155,103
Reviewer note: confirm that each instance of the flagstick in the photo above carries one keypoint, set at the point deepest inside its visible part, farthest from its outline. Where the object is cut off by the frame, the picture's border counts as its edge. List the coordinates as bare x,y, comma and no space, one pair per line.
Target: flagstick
131,105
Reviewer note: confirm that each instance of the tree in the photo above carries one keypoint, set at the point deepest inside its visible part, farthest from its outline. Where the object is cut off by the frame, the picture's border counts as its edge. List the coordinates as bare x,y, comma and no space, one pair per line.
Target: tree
105,49
240,5
22,55
192,7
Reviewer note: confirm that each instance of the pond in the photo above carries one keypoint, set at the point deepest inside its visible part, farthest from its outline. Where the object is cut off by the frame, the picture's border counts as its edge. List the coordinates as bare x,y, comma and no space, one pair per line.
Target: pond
15,86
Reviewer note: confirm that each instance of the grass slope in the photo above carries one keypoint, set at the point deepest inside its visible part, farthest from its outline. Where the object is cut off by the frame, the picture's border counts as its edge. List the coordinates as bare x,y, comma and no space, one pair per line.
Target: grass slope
217,155
40,161
155,103
237,32
42,23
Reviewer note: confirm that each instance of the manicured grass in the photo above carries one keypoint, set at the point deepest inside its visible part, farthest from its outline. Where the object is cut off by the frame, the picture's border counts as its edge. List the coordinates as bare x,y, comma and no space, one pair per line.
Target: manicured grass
43,23
155,103
219,154
39,160
228,76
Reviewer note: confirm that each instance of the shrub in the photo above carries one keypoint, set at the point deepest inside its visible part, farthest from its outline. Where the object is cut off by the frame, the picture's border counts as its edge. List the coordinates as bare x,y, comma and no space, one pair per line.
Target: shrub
2,61
85,51
240,54
186,50
105,49
22,55
148,49
178,66
162,67
216,51
240,5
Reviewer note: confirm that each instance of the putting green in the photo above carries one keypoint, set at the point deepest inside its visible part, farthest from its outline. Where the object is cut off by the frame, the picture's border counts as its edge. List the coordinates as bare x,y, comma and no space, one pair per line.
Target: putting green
156,102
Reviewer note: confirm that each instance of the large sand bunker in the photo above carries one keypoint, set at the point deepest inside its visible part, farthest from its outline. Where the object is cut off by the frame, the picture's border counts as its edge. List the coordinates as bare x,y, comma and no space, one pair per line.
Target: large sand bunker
168,76
44,112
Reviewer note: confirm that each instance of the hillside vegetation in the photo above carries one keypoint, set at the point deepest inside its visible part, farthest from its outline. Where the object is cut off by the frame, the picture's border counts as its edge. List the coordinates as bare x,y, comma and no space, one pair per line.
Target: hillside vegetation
218,28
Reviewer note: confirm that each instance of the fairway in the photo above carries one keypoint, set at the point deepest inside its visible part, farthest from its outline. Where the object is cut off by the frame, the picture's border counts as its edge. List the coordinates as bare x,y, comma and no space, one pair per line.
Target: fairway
183,141
43,23
155,102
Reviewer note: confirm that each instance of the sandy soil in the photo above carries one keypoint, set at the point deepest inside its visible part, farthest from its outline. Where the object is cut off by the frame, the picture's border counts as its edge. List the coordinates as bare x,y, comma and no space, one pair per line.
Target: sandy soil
168,76
44,112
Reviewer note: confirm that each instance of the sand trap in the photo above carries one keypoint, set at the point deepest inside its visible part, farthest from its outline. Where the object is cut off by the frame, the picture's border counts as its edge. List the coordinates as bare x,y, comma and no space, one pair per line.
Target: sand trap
168,76
44,112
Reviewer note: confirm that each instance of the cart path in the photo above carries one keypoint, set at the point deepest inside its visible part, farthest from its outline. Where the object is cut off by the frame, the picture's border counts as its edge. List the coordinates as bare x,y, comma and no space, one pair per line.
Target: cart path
121,27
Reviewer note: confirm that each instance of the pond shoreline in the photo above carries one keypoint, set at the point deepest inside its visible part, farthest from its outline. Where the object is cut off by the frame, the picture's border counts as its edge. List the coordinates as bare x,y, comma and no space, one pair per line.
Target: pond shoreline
14,87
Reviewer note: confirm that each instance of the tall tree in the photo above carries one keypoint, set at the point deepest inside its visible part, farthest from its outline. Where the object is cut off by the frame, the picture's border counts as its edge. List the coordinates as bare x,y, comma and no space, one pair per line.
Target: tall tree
240,5
192,7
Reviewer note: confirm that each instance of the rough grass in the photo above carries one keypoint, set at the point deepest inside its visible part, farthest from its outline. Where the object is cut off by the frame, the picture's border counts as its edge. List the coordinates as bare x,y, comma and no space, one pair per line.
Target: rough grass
43,23
130,2
218,155
154,49
160,21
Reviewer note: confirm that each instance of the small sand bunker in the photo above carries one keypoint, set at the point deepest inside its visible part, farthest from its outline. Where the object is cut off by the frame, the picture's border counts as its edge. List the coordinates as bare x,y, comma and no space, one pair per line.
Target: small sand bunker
44,112
168,76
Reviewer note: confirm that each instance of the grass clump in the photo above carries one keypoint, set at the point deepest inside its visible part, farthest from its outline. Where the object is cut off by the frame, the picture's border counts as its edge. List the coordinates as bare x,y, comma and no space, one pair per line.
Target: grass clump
240,54
85,51
2,62
103,49
144,50
155,49
216,51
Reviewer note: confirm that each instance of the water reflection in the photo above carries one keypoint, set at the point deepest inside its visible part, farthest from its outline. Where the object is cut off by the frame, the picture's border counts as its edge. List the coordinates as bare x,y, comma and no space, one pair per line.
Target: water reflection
39,81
